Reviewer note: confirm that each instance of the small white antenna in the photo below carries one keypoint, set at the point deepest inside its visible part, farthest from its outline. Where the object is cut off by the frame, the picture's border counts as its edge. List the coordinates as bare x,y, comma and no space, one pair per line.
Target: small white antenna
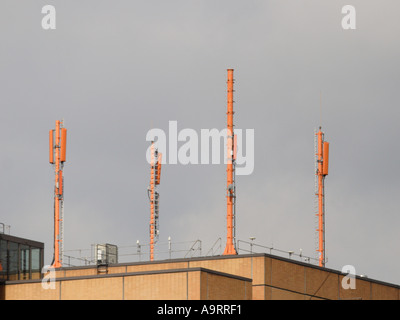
320,108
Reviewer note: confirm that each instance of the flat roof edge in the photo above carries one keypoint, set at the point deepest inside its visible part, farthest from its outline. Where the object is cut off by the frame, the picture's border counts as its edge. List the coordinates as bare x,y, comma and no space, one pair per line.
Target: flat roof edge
267,255
29,242
129,274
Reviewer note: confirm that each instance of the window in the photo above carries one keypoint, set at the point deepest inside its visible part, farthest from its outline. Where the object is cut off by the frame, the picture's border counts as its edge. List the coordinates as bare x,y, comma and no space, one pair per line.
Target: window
12,261
36,263
24,262
20,259
3,259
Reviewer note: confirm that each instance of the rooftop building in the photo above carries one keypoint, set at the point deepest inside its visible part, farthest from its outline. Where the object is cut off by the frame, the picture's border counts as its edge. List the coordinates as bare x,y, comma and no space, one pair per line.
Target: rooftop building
258,276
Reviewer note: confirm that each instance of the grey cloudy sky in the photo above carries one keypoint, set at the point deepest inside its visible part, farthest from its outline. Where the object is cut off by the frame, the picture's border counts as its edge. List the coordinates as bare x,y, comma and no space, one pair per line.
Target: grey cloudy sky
115,69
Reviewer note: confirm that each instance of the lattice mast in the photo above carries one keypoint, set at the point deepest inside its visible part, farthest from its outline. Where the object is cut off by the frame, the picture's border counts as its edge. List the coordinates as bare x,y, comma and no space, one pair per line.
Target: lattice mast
230,248
322,161
57,157
155,174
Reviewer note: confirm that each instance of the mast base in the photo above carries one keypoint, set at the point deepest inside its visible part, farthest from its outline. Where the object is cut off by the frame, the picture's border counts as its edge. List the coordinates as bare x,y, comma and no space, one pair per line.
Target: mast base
230,249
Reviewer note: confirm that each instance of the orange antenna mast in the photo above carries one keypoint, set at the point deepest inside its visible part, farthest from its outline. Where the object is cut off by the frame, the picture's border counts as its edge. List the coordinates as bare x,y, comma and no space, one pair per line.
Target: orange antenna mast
155,175
57,157
230,183
322,161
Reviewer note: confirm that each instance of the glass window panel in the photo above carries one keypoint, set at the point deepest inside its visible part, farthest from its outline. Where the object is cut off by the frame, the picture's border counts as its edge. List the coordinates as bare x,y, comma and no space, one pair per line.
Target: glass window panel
12,260
3,259
36,263
35,259
24,264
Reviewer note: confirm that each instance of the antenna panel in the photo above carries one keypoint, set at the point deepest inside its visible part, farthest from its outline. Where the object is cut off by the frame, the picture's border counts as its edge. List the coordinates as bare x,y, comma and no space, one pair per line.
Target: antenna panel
51,146
63,156
325,160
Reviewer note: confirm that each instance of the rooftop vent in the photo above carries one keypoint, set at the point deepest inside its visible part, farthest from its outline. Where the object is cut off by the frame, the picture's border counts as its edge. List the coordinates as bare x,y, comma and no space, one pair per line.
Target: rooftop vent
106,254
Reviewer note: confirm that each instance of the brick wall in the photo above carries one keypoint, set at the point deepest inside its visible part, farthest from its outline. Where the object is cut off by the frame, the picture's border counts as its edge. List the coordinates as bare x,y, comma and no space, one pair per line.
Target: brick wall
257,276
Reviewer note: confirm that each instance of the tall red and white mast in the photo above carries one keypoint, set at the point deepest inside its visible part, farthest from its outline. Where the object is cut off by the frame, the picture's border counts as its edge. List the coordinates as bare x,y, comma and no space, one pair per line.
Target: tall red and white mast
230,170
322,161
57,157
155,174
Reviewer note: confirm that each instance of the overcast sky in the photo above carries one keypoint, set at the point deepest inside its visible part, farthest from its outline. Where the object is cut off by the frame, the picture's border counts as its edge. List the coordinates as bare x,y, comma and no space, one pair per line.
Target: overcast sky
115,69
